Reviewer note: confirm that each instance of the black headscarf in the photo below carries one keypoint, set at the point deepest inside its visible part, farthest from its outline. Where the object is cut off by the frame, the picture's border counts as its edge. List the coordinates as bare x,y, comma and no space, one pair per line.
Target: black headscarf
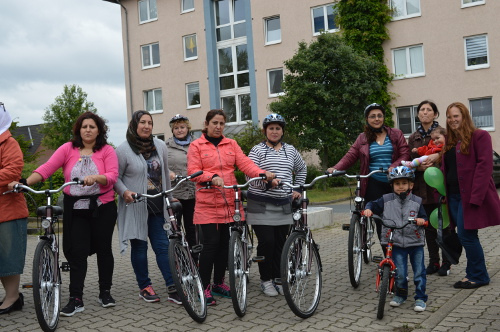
139,145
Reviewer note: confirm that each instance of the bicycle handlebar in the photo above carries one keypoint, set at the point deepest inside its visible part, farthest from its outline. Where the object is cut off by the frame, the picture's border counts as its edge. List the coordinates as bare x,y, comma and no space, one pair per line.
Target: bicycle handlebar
18,187
367,175
410,221
164,193
236,186
307,186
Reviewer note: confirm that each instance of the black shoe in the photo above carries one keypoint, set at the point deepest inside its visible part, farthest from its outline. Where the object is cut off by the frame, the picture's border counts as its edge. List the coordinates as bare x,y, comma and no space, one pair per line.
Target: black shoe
432,268
444,270
18,305
105,299
74,305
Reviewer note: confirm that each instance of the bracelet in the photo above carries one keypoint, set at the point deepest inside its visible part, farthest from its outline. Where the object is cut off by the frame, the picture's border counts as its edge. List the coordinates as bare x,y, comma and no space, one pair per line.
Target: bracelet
23,181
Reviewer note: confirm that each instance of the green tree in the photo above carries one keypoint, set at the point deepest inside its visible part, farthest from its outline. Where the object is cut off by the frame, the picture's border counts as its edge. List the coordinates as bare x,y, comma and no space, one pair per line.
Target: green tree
60,116
326,90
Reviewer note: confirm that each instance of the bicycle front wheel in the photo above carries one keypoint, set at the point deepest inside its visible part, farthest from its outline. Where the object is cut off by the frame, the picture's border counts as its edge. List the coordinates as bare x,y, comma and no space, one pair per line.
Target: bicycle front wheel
187,280
354,245
46,286
238,273
368,239
382,292
301,275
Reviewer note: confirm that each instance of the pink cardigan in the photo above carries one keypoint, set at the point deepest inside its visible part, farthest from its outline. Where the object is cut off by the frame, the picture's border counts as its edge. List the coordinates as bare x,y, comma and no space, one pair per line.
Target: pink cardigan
66,156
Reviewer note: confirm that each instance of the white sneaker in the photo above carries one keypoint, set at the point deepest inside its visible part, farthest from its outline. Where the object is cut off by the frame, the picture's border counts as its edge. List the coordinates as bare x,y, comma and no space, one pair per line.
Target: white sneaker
268,288
278,286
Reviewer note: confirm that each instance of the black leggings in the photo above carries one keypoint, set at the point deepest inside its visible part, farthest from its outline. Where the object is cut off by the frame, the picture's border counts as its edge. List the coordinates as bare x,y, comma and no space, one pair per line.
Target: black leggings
271,240
431,236
215,253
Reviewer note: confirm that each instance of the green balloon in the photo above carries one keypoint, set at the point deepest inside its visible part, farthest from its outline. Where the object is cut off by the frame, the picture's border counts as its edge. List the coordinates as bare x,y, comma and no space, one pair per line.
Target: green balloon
434,178
433,218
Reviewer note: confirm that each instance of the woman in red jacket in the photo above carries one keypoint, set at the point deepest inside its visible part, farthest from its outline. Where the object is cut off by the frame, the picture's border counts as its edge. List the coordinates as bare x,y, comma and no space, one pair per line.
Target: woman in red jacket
217,157
473,202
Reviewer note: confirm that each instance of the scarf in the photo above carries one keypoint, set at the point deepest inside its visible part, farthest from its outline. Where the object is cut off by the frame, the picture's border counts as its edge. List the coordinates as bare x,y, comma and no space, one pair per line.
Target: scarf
5,119
144,146
424,133
185,141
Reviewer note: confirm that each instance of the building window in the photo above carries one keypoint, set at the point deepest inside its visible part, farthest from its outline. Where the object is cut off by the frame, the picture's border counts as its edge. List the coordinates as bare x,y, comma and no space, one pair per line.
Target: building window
408,121
237,108
187,6
190,47
402,9
323,19
153,101
274,80
159,136
150,55
233,67
476,50
229,19
147,11
470,3
408,62
193,95
481,111
273,30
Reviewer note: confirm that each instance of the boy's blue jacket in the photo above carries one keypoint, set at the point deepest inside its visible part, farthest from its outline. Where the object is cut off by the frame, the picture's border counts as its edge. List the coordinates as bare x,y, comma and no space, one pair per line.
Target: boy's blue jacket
394,211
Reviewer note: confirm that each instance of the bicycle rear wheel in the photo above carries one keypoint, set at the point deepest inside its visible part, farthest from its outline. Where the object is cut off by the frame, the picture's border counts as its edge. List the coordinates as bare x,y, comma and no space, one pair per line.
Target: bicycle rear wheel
301,275
187,280
367,239
354,245
382,292
238,269
46,286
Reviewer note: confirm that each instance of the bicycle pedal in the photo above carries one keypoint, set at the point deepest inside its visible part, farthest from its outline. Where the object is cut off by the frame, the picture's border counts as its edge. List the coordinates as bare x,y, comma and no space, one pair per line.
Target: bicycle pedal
65,267
345,227
196,249
28,285
377,259
258,259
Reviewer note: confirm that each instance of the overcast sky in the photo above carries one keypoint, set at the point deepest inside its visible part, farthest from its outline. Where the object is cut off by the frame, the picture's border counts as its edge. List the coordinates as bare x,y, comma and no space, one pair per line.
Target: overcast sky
47,44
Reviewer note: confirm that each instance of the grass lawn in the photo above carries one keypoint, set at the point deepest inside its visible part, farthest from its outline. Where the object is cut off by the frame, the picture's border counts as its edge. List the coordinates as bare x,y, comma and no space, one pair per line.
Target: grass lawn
331,193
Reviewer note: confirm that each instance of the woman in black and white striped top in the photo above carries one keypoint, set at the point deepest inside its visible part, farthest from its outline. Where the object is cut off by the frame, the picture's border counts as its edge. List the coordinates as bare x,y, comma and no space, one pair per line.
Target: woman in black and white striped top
269,209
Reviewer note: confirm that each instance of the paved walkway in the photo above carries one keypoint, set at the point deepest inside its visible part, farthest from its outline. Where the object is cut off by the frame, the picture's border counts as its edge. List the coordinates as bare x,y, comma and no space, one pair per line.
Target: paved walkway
341,306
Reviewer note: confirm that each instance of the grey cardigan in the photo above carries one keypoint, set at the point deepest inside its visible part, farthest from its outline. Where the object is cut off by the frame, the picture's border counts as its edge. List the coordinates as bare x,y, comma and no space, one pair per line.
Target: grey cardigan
132,175
177,156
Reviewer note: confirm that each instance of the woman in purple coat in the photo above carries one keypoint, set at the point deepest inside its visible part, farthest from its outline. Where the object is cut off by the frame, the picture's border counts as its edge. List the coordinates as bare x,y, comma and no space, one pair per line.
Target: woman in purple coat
467,164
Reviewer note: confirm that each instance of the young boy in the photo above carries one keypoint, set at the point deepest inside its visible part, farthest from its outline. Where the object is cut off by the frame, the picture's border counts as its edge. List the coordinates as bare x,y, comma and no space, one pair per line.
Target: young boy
435,145
396,208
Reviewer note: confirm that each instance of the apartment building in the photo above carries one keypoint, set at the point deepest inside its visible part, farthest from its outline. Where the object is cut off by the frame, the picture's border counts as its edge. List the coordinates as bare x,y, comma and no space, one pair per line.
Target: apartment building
190,56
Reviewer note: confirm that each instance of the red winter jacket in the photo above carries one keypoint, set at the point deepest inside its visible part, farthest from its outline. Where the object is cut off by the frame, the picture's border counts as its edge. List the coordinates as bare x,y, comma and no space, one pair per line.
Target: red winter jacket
211,206
429,149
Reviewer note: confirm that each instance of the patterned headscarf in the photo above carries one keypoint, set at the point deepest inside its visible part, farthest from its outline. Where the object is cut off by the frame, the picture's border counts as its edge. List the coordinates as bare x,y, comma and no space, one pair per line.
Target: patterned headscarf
139,145
5,119
424,133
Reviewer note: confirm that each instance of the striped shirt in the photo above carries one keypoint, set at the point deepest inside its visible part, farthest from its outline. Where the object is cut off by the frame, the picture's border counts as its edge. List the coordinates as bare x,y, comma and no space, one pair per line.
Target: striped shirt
381,157
285,163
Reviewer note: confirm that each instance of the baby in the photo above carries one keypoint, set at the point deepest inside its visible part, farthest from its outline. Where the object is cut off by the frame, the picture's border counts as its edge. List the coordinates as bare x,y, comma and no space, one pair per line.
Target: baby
435,145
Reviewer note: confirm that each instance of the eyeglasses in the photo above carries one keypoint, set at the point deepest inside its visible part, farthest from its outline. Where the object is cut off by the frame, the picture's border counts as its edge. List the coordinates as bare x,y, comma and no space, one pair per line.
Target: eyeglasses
374,116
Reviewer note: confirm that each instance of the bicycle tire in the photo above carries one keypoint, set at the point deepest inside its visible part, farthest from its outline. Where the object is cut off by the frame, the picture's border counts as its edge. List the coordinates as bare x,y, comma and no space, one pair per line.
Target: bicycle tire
370,229
354,252
238,271
302,288
382,292
46,286
187,281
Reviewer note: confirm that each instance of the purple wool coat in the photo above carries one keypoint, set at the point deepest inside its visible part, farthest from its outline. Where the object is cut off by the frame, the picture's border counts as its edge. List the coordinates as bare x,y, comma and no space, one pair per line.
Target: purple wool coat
480,201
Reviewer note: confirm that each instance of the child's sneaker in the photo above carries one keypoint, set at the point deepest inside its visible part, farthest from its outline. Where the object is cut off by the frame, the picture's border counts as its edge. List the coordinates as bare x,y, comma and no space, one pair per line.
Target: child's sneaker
208,296
444,270
222,290
419,306
397,301
268,288
278,286
148,294
74,305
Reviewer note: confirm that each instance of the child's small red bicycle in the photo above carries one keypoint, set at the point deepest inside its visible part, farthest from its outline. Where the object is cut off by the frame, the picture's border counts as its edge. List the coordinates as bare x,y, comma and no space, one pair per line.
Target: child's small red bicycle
386,274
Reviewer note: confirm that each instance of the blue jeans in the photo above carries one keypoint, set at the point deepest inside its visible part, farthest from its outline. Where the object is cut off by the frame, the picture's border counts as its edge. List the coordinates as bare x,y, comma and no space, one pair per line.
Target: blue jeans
139,253
476,266
400,257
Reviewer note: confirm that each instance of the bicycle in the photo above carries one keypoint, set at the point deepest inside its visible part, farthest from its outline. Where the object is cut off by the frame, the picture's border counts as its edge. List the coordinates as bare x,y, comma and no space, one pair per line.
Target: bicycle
300,261
361,230
386,273
46,274
180,255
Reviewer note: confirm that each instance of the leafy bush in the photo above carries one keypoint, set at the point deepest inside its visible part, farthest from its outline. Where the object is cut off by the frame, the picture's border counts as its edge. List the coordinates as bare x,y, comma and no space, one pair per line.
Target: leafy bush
34,201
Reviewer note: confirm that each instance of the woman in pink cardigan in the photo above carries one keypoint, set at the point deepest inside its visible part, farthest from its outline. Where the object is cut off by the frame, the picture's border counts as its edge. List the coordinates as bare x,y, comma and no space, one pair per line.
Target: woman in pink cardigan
89,211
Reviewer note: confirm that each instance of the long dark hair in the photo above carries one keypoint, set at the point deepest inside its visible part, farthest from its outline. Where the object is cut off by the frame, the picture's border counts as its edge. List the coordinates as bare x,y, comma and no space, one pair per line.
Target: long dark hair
210,116
102,137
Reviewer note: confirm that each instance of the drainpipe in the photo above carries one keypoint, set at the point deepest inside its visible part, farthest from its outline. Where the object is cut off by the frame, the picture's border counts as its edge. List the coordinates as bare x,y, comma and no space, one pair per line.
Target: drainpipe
128,58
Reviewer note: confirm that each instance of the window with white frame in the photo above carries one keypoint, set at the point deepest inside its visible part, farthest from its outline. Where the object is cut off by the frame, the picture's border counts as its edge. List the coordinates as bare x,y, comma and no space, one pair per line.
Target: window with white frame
193,95
402,9
187,6
150,55
408,62
470,3
229,19
190,47
476,51
147,11
237,107
160,136
481,111
408,121
274,80
273,30
153,101
324,19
